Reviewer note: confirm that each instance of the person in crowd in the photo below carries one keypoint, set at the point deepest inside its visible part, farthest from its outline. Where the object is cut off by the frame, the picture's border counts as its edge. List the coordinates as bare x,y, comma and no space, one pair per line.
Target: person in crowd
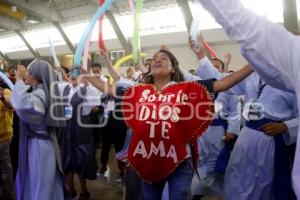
130,73
192,71
6,133
272,49
14,145
163,71
66,71
270,129
218,138
97,110
114,128
218,63
76,139
39,172
147,63
114,133
97,71
12,74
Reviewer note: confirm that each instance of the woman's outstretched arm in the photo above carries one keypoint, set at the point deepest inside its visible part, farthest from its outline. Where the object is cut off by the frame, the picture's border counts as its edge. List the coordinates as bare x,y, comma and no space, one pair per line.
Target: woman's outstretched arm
112,71
103,86
232,79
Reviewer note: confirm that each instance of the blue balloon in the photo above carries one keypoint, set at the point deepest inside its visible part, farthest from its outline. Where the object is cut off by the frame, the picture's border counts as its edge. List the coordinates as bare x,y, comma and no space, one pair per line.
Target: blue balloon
84,37
6,80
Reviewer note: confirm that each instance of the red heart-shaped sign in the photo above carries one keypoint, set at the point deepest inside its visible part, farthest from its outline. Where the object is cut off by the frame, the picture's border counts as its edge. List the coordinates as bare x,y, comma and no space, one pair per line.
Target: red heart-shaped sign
163,123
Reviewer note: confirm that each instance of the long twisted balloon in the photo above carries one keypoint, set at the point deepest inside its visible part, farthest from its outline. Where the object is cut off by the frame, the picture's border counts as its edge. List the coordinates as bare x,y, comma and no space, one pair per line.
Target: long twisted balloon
6,80
77,58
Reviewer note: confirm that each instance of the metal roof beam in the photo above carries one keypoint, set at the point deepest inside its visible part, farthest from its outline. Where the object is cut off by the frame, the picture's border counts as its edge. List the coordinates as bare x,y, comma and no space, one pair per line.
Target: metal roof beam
65,37
42,9
35,53
186,11
125,44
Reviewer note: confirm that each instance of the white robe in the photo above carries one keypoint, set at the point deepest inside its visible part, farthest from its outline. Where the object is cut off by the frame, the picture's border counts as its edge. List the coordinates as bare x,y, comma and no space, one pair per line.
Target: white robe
272,50
42,178
254,151
211,144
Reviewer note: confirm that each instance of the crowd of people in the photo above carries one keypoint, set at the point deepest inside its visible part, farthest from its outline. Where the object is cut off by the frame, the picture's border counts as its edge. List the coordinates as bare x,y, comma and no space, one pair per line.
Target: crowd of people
239,143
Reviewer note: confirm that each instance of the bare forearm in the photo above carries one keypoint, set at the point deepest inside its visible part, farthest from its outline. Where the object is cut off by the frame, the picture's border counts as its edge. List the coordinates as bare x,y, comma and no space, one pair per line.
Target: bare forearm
101,85
114,74
201,54
64,76
141,68
256,34
232,79
226,67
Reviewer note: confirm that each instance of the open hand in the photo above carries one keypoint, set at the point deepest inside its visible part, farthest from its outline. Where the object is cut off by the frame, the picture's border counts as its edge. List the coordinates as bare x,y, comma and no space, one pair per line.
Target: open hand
104,54
227,58
197,50
229,137
21,72
274,128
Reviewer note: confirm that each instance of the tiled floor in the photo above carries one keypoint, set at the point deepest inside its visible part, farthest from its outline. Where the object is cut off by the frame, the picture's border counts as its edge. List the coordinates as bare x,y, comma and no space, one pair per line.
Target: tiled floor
106,187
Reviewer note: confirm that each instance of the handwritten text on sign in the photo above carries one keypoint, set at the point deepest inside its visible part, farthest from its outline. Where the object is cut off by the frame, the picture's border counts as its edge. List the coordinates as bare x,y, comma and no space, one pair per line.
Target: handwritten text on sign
163,113
163,123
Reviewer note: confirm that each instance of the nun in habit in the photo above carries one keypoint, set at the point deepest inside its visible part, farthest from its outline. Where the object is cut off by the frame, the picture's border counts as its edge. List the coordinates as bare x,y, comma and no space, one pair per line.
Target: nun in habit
39,175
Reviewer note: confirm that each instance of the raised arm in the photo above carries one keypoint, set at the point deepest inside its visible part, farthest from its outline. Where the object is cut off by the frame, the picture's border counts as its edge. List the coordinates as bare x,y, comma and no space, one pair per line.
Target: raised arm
227,61
260,39
233,108
205,69
30,107
103,86
64,75
232,79
140,66
112,71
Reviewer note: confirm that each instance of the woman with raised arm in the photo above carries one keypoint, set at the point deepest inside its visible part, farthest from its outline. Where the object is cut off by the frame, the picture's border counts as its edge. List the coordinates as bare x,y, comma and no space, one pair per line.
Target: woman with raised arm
76,138
272,50
39,174
166,157
267,137
216,144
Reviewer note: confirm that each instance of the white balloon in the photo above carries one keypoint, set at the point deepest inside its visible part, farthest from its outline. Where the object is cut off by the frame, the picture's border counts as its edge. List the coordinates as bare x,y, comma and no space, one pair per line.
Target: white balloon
6,80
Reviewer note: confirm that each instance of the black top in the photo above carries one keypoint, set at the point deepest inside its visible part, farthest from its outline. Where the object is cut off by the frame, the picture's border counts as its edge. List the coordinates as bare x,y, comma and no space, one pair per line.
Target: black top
208,83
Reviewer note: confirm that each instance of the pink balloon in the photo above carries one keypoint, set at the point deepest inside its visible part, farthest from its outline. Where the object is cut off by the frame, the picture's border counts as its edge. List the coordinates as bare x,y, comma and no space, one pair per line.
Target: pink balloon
131,5
212,53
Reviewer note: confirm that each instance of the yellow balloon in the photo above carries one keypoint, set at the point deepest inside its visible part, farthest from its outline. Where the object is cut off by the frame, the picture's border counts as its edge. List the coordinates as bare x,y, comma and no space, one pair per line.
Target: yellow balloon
125,59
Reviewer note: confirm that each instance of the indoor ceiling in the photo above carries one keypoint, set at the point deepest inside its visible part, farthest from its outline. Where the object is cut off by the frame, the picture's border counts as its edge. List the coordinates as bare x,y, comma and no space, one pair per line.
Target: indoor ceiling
27,14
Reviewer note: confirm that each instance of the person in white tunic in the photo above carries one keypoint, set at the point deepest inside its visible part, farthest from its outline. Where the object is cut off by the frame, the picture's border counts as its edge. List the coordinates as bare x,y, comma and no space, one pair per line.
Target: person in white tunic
216,143
39,174
255,152
224,127
263,42
76,138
